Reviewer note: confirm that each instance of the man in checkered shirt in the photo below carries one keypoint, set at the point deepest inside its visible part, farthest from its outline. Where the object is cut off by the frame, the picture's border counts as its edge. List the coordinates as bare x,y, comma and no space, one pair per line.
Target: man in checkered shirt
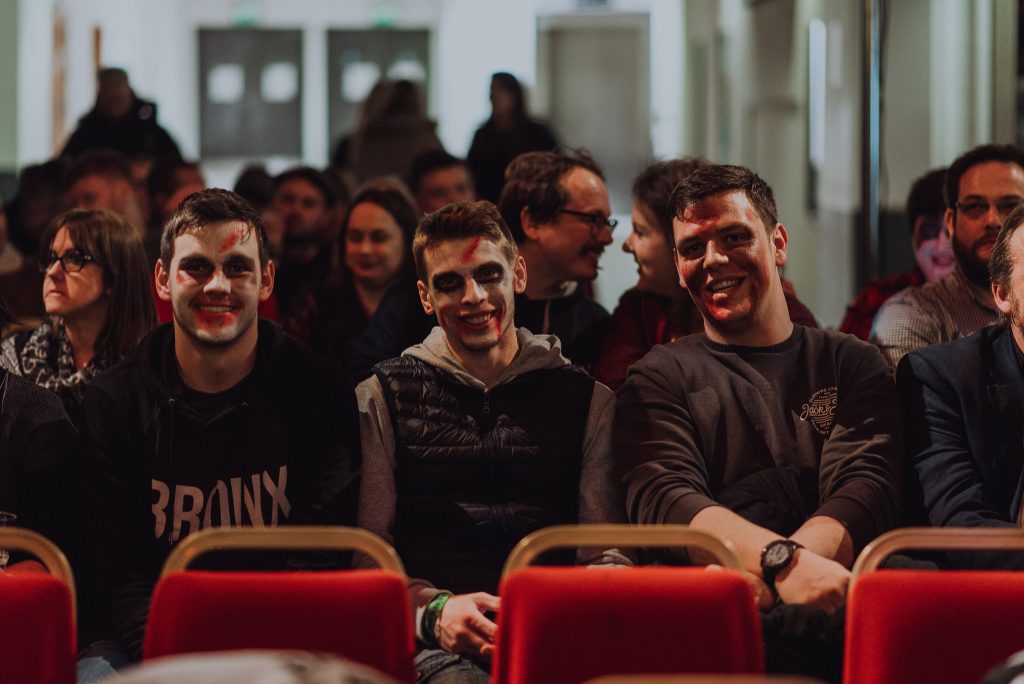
982,187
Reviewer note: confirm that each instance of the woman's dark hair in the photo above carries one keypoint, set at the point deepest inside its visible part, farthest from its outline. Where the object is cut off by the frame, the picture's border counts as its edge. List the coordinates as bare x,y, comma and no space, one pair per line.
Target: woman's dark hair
117,248
652,189
395,200
7,316
511,85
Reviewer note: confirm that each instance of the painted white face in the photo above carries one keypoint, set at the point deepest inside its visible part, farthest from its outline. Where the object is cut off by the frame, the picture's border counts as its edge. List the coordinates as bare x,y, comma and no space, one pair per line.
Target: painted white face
471,288
215,282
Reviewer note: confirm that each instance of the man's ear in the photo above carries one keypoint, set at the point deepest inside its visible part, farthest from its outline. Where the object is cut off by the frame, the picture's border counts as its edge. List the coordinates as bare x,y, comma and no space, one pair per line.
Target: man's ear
950,218
162,279
267,280
780,244
428,306
528,224
1002,296
519,276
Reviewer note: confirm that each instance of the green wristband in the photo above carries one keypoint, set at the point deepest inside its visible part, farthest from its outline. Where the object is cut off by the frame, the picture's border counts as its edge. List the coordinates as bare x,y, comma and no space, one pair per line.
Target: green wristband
431,615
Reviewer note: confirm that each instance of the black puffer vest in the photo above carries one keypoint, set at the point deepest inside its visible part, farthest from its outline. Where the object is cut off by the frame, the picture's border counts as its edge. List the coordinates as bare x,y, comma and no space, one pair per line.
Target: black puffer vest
477,471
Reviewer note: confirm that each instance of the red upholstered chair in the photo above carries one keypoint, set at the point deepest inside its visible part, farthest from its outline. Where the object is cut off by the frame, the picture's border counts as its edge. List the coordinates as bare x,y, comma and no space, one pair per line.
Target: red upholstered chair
37,614
569,625
361,615
932,626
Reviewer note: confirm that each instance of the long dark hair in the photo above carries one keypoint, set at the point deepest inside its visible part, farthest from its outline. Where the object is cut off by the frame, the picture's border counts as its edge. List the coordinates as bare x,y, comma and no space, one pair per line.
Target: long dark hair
394,199
117,247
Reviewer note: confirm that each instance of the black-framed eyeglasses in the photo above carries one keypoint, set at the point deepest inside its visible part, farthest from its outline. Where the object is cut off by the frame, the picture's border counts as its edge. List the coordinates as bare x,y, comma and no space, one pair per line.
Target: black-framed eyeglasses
595,220
976,208
72,261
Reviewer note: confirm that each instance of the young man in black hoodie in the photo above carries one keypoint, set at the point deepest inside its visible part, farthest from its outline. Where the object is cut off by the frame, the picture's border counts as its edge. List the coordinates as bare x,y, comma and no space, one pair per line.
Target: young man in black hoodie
475,438
217,419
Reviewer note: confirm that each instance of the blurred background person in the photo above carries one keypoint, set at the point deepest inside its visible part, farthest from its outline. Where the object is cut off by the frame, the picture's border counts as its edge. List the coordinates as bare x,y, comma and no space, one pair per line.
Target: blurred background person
300,211
169,182
504,136
393,128
121,121
103,179
437,179
933,254
20,280
657,309
39,198
96,292
376,244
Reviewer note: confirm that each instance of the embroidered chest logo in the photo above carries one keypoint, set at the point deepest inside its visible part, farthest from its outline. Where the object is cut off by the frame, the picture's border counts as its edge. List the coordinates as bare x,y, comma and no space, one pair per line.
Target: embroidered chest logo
820,409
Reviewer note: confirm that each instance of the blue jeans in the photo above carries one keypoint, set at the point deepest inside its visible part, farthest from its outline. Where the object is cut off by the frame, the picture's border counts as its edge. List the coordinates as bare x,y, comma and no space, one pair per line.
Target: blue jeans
99,660
438,666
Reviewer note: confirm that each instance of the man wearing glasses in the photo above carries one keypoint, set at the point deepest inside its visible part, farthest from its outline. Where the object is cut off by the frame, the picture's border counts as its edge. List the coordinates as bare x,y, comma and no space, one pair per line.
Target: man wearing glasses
557,207
982,187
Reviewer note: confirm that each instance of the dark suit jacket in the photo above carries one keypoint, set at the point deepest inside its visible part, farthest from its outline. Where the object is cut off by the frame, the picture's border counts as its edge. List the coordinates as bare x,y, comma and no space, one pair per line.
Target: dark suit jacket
963,404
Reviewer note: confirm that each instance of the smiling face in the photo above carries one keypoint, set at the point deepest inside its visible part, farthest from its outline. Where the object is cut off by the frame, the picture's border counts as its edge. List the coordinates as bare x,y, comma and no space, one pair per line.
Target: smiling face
570,244
215,283
652,252
933,250
994,188
73,295
730,266
471,288
374,246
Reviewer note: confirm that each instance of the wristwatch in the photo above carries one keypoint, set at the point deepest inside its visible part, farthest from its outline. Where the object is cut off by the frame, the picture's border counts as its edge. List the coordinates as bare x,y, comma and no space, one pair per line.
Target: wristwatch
776,557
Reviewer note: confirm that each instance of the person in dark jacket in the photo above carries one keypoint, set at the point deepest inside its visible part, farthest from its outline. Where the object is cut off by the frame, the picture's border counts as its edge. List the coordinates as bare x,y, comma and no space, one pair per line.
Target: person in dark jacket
120,121
475,438
783,439
508,133
218,419
963,407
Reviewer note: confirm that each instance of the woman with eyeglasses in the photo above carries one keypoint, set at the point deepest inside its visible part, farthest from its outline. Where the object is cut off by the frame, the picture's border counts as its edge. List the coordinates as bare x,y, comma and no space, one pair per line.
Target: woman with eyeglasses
657,310
98,303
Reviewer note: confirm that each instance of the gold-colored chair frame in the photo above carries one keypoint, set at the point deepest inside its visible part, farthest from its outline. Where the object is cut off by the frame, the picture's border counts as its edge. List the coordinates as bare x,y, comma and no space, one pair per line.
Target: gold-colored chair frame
285,537
934,539
628,536
48,553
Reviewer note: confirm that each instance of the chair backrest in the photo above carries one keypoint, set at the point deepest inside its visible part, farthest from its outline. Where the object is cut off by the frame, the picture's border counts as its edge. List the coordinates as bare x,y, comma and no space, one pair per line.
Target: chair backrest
37,624
361,615
942,626
573,624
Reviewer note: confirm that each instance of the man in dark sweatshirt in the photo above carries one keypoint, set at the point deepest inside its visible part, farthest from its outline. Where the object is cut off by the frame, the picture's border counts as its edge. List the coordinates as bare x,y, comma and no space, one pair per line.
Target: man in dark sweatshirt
218,419
780,438
475,438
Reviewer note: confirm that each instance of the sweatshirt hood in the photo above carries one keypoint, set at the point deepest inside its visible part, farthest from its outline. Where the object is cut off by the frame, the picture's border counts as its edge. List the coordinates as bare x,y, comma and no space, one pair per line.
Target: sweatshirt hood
536,352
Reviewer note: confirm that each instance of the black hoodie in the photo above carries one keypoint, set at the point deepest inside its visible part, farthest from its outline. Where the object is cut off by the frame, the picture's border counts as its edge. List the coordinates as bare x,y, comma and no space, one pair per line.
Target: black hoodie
281,447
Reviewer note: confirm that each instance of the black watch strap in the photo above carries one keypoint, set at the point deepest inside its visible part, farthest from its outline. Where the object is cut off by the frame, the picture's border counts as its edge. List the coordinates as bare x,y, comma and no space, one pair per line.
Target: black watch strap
776,556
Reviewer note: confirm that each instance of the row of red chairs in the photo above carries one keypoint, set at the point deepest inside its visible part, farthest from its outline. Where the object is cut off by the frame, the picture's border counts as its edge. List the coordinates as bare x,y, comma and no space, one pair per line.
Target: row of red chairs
556,624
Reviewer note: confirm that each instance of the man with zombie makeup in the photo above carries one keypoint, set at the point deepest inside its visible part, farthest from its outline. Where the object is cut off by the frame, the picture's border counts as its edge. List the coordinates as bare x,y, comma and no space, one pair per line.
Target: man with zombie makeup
475,438
782,439
982,187
218,419
963,407
933,254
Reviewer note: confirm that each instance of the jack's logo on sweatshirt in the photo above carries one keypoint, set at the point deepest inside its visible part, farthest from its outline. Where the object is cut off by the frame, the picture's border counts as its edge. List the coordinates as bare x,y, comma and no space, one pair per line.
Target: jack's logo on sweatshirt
820,409
254,501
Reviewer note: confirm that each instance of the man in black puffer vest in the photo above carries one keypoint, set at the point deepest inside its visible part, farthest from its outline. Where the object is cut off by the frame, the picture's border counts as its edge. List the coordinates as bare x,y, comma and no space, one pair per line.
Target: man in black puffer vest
475,438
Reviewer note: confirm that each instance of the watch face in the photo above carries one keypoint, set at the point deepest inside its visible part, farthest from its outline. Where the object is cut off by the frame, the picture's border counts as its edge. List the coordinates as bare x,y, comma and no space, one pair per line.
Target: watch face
777,554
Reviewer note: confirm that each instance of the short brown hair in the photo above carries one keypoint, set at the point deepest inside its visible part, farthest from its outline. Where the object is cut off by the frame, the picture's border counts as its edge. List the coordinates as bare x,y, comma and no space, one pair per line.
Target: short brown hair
719,178
117,248
205,208
533,180
457,222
